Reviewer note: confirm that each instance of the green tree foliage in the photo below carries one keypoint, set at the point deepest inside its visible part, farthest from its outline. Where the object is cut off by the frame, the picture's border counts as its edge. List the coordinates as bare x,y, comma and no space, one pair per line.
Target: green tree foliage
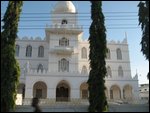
10,69
144,22
98,49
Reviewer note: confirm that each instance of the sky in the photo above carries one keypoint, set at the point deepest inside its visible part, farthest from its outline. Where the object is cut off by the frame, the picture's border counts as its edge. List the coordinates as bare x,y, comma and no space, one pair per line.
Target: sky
121,17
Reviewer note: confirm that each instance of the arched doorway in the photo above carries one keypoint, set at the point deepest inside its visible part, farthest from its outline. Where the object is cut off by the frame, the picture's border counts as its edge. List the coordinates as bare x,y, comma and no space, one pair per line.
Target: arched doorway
63,91
84,90
115,92
40,90
127,92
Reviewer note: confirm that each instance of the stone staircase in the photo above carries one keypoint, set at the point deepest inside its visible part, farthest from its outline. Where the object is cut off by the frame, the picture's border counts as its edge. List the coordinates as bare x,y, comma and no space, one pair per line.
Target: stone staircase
57,107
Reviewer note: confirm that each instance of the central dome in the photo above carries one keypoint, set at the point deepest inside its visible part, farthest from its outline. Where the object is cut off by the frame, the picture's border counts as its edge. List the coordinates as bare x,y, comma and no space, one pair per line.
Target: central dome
64,7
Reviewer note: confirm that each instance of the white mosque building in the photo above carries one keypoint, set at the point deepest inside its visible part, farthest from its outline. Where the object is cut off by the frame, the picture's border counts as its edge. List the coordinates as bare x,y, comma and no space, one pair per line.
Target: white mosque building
56,69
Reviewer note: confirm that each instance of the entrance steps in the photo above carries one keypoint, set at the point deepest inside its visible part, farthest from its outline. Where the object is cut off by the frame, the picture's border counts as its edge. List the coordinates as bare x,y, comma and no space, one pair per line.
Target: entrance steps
53,102
55,107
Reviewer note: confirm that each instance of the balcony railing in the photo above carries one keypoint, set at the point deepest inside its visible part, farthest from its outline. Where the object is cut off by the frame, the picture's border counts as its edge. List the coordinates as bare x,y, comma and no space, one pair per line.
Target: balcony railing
62,50
68,26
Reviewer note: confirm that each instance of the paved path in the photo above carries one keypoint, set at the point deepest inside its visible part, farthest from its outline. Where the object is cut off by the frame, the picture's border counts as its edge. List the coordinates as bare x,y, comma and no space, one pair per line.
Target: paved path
83,108
58,108
129,108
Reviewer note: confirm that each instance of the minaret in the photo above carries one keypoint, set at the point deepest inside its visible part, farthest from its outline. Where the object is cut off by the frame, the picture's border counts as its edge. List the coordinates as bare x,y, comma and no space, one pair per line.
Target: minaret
125,39
63,36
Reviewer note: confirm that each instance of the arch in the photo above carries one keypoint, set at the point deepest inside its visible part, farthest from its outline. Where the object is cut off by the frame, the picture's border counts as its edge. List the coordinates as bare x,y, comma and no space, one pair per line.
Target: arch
127,92
84,53
120,71
40,68
84,70
41,51
119,54
84,91
17,50
109,73
63,65
40,90
64,21
63,42
108,55
63,91
29,51
115,92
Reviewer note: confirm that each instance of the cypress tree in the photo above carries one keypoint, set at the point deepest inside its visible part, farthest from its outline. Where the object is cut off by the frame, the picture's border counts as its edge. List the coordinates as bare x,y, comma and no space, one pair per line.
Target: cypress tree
10,69
144,22
98,49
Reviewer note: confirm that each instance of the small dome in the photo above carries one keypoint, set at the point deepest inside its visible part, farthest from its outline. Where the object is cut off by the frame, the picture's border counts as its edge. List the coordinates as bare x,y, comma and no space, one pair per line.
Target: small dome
64,7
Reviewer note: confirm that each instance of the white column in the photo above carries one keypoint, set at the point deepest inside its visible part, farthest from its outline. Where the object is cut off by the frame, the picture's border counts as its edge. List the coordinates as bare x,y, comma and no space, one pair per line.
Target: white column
48,93
28,96
28,93
121,91
108,90
51,93
75,93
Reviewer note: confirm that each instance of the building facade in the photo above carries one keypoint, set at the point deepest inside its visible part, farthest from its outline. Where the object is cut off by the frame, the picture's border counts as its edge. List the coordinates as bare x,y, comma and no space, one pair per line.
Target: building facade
144,93
56,68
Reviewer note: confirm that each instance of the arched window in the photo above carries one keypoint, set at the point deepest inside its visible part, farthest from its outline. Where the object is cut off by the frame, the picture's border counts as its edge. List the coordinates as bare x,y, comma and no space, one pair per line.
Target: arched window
84,53
64,21
64,42
17,50
120,71
41,51
63,65
109,74
40,68
84,94
40,90
119,54
108,54
29,51
84,70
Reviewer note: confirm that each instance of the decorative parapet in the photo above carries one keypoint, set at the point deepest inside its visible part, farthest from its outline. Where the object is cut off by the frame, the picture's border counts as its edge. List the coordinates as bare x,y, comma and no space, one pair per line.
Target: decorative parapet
69,26
118,42
112,42
125,78
38,38
30,38
124,41
25,38
62,49
109,42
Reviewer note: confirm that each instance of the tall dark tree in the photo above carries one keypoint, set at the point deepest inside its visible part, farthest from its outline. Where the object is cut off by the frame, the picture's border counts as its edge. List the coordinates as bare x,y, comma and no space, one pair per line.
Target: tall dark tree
144,22
10,69
98,49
